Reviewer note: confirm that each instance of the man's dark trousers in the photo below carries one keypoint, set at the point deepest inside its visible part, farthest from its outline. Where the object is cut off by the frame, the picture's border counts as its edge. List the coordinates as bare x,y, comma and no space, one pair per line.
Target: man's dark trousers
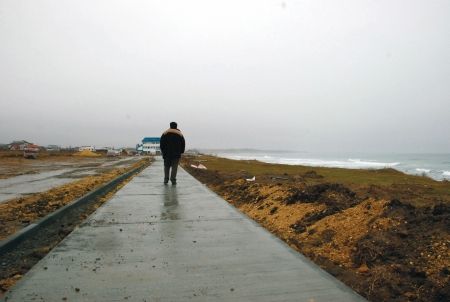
171,164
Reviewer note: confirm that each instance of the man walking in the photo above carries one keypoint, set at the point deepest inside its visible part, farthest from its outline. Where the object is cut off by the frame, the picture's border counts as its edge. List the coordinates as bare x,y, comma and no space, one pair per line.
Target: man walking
172,146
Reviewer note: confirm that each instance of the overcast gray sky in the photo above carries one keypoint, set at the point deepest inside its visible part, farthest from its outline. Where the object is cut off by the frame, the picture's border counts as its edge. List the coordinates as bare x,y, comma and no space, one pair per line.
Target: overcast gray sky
305,75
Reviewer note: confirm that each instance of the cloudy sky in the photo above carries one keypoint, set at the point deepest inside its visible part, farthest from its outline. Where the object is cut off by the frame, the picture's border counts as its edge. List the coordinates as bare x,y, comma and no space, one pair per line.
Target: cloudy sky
352,75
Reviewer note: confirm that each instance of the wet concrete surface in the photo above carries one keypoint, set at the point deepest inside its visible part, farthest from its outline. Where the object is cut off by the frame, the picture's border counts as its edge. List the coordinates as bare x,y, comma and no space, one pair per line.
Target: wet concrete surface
61,174
153,242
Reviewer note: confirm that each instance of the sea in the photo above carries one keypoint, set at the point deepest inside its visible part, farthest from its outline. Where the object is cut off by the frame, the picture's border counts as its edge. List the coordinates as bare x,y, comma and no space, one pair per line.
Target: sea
436,166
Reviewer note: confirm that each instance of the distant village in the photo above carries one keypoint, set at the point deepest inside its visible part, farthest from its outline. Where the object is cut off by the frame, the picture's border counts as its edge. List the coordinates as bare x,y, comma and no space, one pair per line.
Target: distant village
148,145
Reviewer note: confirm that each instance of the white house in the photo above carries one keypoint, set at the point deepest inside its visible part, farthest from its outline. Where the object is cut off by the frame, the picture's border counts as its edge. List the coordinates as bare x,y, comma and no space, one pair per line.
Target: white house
150,145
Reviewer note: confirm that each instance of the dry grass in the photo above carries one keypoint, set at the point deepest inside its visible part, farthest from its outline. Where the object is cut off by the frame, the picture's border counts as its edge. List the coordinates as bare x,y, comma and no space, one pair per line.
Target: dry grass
17,213
384,233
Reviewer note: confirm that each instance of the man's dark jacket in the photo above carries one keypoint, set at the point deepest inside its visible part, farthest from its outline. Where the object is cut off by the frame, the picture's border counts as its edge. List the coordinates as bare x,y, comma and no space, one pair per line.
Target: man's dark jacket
172,144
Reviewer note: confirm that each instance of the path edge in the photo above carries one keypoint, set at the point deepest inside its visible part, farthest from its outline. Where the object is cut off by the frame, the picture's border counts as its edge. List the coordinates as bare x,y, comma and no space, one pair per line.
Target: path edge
12,241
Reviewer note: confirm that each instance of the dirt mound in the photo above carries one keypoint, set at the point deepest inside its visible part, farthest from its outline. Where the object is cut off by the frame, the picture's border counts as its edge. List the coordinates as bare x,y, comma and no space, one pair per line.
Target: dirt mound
242,192
329,193
87,153
441,209
410,258
336,196
310,218
385,234
378,247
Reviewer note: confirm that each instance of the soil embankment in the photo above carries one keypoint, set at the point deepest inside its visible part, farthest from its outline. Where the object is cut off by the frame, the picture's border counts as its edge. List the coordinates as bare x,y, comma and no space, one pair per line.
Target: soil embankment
18,213
384,233
12,163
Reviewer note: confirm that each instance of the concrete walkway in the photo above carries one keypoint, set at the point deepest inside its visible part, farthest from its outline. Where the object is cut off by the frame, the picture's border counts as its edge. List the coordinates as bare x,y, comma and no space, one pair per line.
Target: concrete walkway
152,242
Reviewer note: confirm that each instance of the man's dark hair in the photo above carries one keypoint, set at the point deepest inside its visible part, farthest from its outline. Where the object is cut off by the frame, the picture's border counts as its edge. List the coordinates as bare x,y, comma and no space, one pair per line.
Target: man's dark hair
173,125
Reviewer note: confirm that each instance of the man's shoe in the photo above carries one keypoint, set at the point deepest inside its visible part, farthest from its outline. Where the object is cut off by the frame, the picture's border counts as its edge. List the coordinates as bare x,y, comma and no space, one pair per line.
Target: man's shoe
174,182
166,182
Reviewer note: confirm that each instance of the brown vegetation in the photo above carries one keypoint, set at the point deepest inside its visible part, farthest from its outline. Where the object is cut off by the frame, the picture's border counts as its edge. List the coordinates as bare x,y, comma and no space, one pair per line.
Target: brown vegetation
18,213
12,163
384,233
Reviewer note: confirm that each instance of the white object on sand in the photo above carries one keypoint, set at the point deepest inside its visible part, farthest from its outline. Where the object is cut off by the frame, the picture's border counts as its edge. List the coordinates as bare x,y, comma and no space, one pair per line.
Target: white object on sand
200,166
251,179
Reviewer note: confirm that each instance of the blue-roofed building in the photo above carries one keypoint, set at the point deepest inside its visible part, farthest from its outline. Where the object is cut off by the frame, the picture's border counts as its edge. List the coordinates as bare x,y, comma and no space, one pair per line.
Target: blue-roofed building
149,145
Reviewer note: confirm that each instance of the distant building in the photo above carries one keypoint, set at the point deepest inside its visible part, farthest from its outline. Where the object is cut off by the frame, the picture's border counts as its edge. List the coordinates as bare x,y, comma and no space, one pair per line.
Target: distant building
19,145
53,148
103,150
31,151
69,148
88,148
150,145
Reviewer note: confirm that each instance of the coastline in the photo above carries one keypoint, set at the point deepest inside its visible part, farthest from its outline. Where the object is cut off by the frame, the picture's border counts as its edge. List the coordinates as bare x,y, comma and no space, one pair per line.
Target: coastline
433,165
382,232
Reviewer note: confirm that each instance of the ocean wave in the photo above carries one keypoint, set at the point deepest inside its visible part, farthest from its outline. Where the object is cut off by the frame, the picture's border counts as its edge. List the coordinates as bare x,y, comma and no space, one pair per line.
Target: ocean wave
421,170
446,173
354,164
350,163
